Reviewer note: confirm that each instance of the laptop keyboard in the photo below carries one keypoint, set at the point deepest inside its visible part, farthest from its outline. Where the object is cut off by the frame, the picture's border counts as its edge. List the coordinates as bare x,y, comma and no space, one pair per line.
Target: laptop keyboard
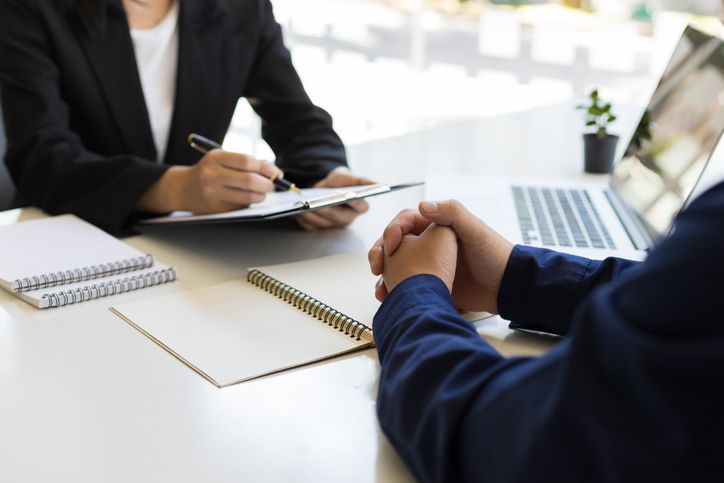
560,217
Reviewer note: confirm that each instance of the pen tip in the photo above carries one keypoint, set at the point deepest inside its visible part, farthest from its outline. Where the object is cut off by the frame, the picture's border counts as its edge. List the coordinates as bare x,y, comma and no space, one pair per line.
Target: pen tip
190,137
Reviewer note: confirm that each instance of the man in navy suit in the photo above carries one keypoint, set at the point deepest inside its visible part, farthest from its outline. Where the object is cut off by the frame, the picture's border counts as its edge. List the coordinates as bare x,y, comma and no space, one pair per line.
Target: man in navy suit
633,392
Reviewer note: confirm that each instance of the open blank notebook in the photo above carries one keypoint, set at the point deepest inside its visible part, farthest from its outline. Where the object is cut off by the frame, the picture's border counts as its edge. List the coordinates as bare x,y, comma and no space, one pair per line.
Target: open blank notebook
278,317
63,260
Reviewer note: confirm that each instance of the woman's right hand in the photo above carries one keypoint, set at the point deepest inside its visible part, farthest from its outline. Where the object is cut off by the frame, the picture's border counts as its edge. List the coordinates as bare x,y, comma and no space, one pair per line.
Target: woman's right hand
220,181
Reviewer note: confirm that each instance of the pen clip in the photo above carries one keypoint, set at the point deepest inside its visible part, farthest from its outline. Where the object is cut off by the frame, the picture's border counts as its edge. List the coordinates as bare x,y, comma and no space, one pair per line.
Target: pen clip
344,196
197,147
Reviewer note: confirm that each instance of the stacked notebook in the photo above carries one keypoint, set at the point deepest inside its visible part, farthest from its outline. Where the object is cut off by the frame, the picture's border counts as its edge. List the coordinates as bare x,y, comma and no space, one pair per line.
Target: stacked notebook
64,260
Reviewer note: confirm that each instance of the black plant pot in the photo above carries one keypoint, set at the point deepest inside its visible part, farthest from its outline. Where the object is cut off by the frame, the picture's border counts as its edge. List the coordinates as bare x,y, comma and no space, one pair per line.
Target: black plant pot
599,153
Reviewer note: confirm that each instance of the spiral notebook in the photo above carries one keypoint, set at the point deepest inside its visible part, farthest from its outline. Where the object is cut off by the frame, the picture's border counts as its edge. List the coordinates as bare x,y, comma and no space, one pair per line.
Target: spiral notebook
276,318
63,260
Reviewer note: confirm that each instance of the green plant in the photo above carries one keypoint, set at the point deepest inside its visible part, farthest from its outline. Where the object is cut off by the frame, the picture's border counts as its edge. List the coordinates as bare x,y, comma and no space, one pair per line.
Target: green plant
598,114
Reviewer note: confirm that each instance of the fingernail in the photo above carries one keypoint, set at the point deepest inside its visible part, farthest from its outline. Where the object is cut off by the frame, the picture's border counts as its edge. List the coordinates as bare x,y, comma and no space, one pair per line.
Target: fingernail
429,206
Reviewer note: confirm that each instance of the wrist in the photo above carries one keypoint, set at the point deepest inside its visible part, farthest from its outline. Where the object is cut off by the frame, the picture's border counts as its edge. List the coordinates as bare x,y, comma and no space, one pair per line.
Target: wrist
168,193
392,281
412,296
180,188
502,257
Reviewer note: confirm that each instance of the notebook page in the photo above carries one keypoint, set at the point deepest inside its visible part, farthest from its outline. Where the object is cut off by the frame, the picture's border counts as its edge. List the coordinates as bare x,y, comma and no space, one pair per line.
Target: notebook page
234,331
55,244
344,282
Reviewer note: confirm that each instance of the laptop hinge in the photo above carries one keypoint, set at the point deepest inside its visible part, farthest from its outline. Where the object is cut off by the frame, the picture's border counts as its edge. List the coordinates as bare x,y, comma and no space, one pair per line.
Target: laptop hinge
636,231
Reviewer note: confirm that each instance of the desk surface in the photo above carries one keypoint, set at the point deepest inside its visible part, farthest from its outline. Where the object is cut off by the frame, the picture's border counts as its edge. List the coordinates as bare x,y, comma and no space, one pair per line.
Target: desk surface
86,398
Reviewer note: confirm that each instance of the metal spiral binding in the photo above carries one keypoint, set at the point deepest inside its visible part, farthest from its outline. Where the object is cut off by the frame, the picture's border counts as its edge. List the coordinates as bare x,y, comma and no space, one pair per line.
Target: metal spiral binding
35,282
309,304
104,289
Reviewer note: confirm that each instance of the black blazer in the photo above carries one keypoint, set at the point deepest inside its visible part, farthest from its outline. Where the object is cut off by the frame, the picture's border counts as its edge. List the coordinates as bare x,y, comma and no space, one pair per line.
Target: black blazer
79,138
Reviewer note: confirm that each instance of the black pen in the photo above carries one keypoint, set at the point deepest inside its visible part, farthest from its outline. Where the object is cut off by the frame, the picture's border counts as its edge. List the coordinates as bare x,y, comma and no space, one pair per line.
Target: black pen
204,145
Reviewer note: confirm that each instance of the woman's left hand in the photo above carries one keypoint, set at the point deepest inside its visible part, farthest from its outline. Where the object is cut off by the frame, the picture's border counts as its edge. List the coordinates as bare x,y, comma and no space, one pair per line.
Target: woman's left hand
336,216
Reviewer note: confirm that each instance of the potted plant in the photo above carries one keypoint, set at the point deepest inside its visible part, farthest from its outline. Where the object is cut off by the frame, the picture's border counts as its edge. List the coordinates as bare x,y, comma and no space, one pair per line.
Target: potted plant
599,147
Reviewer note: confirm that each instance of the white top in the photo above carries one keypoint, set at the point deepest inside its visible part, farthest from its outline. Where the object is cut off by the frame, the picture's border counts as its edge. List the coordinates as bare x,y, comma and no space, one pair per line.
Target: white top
156,56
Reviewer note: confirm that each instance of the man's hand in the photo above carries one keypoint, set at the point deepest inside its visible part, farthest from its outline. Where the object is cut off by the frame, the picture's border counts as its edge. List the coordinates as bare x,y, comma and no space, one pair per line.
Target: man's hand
336,216
482,253
220,181
434,252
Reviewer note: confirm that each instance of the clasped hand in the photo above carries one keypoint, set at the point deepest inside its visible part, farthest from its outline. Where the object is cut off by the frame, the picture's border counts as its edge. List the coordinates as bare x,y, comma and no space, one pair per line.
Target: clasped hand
446,240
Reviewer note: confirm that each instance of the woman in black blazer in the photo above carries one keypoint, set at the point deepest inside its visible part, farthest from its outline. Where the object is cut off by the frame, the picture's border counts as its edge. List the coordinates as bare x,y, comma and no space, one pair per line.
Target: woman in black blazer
80,138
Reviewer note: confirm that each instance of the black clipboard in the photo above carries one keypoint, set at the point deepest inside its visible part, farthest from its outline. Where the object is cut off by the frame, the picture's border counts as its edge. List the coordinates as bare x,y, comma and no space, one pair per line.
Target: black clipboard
282,204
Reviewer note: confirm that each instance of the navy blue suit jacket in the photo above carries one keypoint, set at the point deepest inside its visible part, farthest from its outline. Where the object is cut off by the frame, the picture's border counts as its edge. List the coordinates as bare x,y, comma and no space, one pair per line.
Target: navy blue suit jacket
634,392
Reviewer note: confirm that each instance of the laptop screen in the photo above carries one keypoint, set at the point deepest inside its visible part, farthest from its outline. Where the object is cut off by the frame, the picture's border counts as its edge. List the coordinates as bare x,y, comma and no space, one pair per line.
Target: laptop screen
677,133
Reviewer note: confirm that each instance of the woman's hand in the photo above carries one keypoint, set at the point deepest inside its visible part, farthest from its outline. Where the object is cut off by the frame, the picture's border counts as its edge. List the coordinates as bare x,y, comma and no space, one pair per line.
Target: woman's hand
336,216
482,253
220,181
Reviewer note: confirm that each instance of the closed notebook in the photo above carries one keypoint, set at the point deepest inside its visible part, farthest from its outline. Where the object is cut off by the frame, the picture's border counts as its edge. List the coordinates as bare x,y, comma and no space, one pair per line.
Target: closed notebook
278,317
61,260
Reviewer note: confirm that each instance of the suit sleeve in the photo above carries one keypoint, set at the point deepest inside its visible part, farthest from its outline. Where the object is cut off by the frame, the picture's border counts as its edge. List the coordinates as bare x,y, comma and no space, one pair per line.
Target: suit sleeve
633,393
47,160
300,133
541,289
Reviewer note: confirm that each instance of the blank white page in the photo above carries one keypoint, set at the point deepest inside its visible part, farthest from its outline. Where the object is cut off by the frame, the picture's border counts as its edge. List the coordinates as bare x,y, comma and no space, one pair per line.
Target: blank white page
234,331
55,244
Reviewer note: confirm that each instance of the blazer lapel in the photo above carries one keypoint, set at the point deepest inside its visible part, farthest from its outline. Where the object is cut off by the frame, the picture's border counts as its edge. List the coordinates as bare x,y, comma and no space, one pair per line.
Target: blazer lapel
199,39
110,52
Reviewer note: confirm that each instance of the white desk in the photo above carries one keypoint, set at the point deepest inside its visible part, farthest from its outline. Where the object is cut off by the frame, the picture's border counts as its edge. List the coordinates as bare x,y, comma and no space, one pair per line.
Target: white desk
86,398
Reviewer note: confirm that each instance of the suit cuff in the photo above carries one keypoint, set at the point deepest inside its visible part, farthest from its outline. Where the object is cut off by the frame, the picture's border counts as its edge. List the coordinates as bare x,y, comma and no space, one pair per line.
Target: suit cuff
116,214
541,288
413,295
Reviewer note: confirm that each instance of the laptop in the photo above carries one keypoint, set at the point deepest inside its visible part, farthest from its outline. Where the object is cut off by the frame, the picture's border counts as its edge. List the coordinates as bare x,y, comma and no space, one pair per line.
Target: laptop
662,164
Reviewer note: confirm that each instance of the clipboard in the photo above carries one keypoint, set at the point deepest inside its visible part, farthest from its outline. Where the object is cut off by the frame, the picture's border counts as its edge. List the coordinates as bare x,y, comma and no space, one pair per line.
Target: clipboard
283,204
